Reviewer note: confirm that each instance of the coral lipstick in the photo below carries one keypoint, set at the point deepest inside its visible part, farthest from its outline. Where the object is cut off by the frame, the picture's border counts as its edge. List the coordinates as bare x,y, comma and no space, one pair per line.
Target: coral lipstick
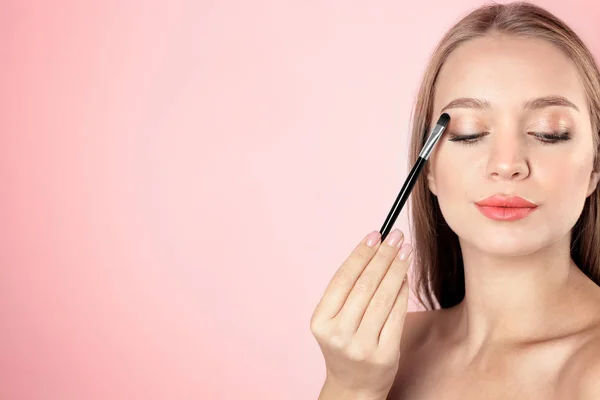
503,208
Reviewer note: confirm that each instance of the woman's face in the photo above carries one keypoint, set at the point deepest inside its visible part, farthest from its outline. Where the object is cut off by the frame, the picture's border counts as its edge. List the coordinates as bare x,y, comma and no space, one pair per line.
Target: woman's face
510,81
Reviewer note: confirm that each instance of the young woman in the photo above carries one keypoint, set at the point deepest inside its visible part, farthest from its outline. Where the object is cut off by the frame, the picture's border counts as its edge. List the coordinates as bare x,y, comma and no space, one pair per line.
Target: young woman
506,224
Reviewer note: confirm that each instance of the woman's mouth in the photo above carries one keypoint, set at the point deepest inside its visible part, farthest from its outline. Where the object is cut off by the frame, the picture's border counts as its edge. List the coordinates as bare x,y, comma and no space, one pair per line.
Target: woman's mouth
505,208
505,213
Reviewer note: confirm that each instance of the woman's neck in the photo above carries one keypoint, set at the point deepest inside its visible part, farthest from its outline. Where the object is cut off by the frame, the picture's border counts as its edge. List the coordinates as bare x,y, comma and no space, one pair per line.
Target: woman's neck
516,299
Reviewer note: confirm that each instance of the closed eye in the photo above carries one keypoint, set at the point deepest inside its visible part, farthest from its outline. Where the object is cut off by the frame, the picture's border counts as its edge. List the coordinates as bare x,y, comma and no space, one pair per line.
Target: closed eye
545,138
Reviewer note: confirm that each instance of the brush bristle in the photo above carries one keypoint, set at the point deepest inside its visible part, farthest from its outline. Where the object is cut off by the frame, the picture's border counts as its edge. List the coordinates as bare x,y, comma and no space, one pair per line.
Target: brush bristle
444,119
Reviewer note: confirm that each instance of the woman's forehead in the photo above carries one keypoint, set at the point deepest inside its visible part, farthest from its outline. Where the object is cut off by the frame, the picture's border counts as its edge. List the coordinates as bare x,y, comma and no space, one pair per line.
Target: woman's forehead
508,71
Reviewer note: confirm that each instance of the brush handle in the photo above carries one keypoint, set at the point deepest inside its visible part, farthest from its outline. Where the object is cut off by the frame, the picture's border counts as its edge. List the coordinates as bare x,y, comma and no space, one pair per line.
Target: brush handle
402,197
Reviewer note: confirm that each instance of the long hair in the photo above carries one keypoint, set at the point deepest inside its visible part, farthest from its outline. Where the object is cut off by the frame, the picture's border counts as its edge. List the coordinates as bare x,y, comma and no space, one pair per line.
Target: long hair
439,269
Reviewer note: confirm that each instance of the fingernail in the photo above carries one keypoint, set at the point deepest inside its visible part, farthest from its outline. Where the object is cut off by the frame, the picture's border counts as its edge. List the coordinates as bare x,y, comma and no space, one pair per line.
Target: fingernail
394,238
373,238
405,251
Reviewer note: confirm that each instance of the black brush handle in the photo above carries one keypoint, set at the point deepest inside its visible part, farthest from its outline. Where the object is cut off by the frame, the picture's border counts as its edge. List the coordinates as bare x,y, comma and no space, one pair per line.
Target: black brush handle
402,197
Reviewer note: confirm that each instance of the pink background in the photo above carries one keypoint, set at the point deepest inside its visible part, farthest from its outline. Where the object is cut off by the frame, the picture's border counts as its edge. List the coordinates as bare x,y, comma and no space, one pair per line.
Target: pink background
181,179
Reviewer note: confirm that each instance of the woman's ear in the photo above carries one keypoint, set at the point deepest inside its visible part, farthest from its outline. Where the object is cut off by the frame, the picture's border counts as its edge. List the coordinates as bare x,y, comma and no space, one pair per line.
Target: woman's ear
594,177
431,179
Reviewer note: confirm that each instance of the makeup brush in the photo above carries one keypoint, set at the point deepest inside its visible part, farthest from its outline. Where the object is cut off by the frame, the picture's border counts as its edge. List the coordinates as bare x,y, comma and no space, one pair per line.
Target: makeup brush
435,135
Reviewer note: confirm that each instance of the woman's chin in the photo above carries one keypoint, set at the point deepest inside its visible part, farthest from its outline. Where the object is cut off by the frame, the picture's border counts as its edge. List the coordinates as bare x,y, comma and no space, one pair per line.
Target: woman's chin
506,245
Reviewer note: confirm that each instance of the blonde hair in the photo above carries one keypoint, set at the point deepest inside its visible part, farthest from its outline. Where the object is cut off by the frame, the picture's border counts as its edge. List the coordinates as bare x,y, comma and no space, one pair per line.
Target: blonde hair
439,269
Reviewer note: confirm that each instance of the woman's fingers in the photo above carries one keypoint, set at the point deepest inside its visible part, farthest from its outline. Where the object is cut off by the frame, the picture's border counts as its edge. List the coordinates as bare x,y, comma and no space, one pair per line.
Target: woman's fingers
358,321
385,297
391,333
361,294
343,281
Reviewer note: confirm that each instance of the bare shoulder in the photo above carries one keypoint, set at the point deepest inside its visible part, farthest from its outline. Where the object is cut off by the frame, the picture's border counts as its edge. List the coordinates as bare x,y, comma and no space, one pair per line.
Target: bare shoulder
581,373
417,325
418,334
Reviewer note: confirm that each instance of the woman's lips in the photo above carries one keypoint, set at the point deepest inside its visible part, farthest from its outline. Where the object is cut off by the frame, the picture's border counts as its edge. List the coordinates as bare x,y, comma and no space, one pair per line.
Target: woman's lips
505,213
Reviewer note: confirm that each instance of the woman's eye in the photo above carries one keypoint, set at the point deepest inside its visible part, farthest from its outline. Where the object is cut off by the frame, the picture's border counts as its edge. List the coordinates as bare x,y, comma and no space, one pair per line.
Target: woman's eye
543,137
552,137
466,139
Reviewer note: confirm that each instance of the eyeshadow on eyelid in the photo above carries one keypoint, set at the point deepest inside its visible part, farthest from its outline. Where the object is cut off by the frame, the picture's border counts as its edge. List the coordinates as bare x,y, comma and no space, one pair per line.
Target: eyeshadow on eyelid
554,121
560,118
467,127
553,116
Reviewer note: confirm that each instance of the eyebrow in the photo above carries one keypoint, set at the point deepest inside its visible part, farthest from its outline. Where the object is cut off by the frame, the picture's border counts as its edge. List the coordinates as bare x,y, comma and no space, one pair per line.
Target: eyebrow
533,104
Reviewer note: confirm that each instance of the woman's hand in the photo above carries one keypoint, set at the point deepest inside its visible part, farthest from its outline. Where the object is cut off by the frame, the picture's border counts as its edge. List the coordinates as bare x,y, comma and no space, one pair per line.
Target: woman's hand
358,321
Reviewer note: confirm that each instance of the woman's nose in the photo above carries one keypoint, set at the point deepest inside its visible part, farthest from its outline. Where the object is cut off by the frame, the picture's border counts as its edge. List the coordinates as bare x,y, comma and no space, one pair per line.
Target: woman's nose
508,158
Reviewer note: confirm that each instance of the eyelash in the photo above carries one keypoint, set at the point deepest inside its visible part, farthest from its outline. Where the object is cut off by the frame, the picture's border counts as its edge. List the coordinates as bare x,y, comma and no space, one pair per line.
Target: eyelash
548,138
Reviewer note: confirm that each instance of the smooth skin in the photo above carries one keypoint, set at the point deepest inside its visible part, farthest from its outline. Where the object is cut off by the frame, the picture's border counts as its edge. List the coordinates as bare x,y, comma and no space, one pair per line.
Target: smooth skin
529,325
358,322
